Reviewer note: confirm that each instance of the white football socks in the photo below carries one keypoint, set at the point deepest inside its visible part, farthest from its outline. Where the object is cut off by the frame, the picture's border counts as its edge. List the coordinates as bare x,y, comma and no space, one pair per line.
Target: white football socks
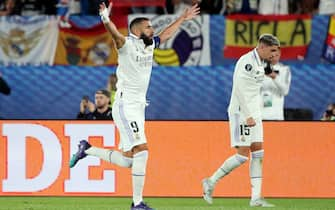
230,164
111,156
138,173
256,174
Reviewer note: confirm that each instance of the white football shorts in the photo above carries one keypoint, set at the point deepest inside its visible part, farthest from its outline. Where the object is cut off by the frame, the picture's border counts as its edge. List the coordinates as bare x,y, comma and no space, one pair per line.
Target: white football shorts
129,119
241,134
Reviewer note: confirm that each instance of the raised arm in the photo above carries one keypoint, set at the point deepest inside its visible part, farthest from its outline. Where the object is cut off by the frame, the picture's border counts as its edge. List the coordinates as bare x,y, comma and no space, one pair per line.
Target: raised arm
110,26
188,14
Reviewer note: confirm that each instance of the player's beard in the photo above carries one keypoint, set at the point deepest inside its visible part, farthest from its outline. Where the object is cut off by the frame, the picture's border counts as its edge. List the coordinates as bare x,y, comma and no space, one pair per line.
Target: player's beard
146,39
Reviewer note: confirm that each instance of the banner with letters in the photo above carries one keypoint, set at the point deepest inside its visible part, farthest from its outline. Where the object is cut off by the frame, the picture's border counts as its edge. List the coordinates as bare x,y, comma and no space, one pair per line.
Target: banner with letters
188,47
28,40
329,49
242,33
86,46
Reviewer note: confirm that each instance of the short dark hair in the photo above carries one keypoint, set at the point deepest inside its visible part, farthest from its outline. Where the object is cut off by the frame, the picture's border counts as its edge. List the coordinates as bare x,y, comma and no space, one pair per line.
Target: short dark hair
269,40
137,21
103,92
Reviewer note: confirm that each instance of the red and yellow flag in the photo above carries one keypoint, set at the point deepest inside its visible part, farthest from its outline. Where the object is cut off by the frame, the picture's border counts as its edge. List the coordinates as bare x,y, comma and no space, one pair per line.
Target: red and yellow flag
329,50
86,46
242,33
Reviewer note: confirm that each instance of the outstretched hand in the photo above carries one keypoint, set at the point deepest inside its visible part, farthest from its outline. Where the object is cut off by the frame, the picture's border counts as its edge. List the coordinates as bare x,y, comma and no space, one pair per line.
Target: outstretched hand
102,8
191,13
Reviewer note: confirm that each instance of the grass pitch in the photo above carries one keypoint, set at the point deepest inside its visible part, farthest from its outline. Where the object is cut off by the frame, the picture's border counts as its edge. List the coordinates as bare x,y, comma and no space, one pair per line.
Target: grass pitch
112,203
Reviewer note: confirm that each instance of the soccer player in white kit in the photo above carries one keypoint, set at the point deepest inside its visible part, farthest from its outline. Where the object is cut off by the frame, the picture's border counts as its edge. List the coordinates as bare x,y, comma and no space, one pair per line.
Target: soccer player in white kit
135,57
245,119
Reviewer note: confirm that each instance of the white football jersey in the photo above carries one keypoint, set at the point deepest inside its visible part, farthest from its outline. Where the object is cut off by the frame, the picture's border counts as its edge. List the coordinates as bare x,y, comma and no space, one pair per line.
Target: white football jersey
247,81
134,68
273,92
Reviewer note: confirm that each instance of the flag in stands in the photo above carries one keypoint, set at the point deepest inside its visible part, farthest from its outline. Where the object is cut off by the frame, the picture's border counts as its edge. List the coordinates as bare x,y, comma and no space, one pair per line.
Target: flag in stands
86,46
242,33
28,40
329,51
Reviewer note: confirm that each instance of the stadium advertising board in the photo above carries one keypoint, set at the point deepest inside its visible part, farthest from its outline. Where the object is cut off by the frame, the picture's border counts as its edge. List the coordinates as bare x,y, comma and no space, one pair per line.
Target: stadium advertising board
34,158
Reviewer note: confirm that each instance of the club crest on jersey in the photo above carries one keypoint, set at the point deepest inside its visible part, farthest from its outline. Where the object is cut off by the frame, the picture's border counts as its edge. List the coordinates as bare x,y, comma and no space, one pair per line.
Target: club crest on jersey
248,67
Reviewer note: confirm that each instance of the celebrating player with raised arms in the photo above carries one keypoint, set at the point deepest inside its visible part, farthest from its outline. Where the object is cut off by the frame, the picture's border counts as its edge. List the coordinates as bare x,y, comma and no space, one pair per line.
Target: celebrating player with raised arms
135,58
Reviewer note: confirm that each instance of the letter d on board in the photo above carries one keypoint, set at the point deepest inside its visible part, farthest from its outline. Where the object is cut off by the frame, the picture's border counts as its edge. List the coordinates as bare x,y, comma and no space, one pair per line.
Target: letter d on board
16,164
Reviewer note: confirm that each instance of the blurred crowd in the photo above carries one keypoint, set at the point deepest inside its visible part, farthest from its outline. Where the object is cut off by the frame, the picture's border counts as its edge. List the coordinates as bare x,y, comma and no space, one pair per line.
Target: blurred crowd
28,7
329,114
224,7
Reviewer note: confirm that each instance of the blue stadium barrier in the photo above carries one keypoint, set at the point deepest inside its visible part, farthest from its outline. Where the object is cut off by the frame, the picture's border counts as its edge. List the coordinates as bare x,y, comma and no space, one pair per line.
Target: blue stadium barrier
175,93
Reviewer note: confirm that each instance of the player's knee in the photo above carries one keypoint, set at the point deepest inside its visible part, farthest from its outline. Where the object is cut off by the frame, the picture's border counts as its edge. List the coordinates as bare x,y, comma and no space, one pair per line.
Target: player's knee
256,146
139,148
128,154
244,151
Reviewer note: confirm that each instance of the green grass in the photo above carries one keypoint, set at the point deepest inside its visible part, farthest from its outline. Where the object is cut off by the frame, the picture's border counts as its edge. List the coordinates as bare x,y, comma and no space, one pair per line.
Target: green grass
110,203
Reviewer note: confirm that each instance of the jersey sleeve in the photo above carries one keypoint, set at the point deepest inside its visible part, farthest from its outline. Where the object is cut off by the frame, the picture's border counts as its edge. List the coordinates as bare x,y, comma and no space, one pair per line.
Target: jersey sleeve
157,41
243,79
124,48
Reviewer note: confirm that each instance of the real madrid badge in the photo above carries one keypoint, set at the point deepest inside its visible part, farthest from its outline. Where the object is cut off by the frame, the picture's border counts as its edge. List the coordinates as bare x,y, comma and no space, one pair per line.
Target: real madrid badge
248,67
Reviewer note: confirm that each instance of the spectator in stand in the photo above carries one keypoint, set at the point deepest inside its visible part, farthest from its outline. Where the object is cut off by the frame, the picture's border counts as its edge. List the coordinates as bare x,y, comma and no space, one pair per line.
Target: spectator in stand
145,10
9,7
211,6
73,7
49,7
239,6
31,7
305,6
179,6
273,7
90,7
98,111
37,7
329,114
326,7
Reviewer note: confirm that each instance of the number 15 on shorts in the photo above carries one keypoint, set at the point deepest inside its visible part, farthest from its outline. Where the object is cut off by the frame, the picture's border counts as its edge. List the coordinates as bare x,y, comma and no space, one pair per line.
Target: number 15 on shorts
244,130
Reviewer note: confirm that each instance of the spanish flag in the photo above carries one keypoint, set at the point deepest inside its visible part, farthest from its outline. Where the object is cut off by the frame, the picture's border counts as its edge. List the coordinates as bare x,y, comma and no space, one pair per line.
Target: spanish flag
242,33
91,46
